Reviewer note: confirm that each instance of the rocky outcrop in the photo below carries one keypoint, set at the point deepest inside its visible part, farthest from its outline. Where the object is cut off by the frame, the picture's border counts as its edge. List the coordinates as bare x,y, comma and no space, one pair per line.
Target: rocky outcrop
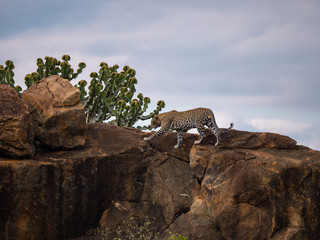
59,194
57,113
252,186
16,131
257,186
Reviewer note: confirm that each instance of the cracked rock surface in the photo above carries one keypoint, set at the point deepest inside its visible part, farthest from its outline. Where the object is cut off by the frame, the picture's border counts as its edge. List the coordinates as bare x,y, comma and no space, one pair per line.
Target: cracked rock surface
57,113
252,186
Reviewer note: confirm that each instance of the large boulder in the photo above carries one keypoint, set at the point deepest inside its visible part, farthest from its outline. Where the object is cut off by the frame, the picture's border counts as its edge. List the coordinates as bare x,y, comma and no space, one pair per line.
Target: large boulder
57,113
16,131
264,188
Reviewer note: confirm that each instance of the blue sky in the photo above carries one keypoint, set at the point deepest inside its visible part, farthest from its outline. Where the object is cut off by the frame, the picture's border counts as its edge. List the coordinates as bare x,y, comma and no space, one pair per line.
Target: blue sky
254,63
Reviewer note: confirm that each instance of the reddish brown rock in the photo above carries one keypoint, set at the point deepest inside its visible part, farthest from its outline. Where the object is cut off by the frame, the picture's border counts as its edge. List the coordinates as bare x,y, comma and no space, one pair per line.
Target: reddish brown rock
166,142
16,130
252,186
60,194
165,193
248,188
267,188
57,112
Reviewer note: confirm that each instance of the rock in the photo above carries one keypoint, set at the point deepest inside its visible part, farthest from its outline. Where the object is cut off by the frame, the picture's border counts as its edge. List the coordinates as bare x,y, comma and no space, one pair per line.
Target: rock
251,140
168,185
57,113
196,223
260,193
16,130
125,215
166,194
166,142
60,194
252,186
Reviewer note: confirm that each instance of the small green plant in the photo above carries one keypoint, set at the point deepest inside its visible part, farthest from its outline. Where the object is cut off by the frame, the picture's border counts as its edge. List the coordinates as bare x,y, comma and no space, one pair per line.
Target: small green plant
111,95
177,237
101,234
135,231
132,229
52,66
6,76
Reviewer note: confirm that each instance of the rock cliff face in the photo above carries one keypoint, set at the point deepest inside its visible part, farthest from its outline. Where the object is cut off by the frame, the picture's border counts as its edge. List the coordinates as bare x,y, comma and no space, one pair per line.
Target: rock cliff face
252,186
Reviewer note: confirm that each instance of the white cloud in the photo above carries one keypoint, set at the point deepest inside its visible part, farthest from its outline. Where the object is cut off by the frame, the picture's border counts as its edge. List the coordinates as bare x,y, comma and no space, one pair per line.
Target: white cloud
278,125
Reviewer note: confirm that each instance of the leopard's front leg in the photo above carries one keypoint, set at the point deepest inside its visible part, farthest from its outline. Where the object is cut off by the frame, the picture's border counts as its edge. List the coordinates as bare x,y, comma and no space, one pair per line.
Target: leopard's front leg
179,138
160,132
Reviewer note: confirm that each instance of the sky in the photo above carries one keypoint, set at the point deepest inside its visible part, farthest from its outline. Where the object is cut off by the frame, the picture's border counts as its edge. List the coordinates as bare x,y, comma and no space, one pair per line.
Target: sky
254,63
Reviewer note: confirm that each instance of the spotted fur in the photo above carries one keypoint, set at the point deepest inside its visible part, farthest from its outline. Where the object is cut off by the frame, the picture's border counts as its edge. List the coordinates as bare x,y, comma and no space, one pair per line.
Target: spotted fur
180,121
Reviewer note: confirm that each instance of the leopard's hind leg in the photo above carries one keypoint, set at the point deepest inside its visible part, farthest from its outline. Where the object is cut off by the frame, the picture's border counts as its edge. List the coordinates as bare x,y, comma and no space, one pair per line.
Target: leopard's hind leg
216,132
214,129
202,134
179,138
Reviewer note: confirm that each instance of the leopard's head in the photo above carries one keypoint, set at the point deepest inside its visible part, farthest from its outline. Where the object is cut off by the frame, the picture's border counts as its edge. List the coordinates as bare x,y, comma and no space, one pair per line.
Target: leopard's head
155,121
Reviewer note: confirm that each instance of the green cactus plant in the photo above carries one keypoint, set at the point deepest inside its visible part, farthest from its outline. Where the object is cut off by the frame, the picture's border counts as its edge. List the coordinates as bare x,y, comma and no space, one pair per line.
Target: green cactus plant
51,66
111,97
6,76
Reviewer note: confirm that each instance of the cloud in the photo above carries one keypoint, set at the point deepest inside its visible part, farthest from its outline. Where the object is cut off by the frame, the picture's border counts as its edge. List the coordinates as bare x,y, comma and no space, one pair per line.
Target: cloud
290,26
24,48
248,61
278,125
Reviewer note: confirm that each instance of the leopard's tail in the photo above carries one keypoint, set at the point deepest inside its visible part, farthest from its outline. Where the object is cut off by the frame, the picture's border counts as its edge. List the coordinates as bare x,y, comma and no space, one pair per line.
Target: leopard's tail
213,125
227,129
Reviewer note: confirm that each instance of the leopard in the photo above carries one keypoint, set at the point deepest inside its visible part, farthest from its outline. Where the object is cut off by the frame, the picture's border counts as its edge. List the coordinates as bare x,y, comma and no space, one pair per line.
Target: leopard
183,121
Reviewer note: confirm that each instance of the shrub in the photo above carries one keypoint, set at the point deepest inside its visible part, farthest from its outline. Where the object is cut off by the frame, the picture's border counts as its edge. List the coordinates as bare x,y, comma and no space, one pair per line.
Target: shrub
51,66
6,76
110,95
